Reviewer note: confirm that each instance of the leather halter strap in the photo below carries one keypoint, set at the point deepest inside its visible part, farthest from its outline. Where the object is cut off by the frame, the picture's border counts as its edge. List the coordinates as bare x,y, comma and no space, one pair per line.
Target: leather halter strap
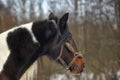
76,54
60,59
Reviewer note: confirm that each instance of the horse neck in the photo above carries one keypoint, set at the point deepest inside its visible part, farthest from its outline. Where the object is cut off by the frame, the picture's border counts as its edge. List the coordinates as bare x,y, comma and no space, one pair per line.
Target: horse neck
3,76
9,70
6,76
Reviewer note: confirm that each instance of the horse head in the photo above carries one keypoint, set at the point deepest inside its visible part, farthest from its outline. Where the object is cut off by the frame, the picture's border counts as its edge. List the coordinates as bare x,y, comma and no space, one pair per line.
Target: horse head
68,54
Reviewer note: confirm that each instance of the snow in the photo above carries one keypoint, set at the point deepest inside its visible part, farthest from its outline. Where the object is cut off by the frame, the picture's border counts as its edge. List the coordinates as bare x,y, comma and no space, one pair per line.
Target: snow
83,76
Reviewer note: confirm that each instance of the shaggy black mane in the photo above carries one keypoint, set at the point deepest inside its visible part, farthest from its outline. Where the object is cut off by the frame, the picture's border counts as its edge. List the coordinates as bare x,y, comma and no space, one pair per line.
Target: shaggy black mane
44,31
18,38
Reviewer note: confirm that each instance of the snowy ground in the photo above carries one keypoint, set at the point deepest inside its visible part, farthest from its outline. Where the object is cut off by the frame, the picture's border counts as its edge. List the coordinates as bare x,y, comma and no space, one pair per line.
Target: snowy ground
83,76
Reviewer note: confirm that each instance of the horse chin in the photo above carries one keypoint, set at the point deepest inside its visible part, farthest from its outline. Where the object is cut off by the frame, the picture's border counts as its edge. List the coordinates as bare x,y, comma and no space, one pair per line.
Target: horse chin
75,72
76,69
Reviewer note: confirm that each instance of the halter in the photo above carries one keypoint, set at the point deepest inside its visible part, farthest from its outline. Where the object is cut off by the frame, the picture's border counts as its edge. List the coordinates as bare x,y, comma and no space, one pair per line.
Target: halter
69,46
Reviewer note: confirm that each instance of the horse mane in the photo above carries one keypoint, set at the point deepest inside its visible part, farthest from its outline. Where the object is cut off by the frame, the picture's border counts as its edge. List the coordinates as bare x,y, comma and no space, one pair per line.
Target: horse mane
18,38
44,33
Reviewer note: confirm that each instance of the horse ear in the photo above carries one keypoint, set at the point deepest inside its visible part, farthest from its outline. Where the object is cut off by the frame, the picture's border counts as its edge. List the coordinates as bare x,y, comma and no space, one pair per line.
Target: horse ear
63,23
64,18
51,15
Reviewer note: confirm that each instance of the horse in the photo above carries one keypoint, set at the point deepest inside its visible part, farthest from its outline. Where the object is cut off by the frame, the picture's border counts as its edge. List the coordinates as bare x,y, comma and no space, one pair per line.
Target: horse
28,42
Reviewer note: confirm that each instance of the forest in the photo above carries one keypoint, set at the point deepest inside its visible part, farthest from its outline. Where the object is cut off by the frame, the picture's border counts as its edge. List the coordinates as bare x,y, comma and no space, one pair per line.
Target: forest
94,24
